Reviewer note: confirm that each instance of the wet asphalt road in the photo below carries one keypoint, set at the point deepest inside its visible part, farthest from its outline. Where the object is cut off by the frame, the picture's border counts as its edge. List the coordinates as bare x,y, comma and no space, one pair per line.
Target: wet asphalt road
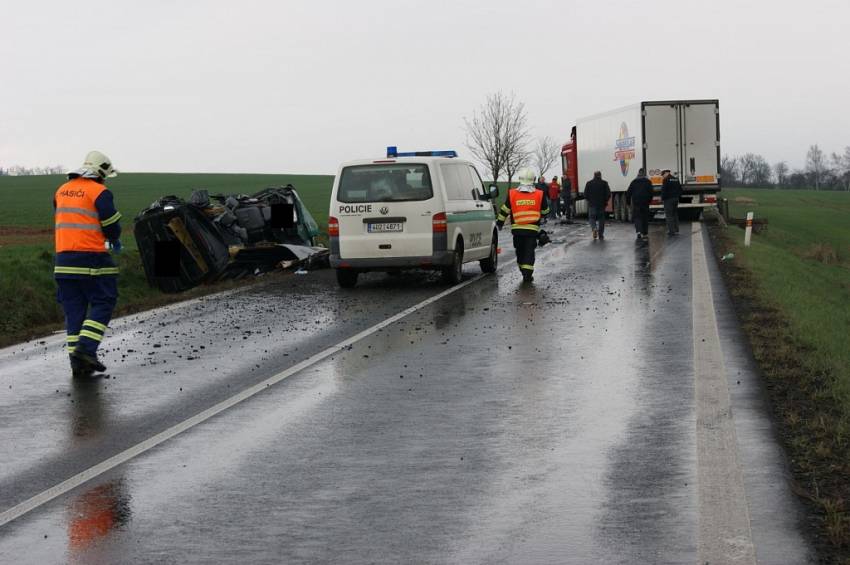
502,423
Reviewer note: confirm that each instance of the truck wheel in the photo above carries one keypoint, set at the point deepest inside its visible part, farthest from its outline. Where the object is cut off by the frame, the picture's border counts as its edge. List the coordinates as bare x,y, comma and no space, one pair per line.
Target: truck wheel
489,264
346,278
454,273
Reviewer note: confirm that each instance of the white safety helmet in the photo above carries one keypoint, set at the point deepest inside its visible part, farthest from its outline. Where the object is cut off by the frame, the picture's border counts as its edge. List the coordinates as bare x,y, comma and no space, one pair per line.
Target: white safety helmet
100,164
527,177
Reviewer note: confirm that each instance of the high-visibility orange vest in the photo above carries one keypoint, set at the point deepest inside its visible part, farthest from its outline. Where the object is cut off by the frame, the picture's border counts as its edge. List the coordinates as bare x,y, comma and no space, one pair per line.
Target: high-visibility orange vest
76,221
525,209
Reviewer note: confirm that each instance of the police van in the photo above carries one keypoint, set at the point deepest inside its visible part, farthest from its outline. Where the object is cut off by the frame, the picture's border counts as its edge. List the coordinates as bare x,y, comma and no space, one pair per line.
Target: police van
417,210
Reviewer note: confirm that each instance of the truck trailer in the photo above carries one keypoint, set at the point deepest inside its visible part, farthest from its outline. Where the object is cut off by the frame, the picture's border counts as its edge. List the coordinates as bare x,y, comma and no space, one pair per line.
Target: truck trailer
680,135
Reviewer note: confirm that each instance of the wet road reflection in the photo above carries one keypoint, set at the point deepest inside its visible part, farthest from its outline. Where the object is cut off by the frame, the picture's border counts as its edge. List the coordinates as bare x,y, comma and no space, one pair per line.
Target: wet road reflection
512,423
93,515
89,412
96,511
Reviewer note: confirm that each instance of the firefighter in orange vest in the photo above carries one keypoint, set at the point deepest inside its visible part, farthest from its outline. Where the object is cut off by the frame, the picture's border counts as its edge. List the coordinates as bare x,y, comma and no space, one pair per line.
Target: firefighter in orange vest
527,206
87,227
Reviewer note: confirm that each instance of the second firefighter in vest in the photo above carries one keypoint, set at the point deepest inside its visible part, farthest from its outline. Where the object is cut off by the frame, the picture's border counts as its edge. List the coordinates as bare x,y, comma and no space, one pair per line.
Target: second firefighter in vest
526,205
86,276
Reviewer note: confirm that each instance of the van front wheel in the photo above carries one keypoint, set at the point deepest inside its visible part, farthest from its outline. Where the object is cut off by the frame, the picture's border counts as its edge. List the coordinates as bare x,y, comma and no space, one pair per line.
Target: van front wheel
346,278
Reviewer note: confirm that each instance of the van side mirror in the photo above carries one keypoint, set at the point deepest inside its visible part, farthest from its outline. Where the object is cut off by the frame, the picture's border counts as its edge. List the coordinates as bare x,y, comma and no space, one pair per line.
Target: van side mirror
494,192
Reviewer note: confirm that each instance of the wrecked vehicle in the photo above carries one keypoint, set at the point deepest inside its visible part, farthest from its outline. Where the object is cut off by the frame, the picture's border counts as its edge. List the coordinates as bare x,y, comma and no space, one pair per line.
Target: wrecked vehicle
214,237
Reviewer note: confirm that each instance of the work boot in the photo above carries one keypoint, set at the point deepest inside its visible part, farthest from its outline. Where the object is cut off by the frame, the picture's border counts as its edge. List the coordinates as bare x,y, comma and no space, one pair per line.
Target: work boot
527,276
87,362
80,370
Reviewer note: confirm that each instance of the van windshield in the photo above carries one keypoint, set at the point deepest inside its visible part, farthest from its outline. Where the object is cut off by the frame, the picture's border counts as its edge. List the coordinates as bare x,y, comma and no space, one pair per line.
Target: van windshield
384,183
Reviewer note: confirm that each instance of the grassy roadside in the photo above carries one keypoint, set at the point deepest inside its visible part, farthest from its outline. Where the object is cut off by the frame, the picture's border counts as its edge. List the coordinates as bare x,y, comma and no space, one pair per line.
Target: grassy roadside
792,293
27,289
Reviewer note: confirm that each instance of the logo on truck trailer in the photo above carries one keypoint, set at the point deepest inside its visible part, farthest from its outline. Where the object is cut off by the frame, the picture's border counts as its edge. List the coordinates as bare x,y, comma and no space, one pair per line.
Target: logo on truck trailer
624,148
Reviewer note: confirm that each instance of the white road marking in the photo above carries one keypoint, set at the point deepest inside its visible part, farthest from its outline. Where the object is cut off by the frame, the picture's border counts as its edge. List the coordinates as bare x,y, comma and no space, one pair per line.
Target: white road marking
92,472
725,535
59,489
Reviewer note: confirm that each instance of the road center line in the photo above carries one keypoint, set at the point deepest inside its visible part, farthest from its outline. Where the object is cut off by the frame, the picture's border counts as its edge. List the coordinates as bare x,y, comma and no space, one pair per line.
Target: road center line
725,535
92,472
61,488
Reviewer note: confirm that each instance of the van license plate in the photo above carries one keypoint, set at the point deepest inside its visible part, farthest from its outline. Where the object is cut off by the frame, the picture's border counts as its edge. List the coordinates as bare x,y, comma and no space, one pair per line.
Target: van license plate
385,227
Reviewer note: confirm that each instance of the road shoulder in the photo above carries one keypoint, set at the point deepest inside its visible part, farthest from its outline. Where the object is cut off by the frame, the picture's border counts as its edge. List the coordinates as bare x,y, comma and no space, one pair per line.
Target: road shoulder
773,375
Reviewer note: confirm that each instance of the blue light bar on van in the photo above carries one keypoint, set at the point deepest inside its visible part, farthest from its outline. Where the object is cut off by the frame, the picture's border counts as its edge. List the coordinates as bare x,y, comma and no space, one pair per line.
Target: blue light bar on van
392,151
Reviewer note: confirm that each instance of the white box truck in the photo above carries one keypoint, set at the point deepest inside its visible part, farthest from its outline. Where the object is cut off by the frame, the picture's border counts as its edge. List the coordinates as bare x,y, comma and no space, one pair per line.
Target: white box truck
680,135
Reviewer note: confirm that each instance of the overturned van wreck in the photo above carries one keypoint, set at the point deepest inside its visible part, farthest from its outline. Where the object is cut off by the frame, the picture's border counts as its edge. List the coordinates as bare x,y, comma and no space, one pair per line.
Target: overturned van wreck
215,237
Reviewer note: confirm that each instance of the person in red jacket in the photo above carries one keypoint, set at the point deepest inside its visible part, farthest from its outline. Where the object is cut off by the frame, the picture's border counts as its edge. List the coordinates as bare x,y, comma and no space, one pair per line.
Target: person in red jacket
554,198
86,227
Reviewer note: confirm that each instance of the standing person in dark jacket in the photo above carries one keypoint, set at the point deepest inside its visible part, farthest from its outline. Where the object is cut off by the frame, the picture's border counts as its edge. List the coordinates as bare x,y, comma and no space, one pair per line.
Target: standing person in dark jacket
597,193
567,197
541,184
86,223
639,195
671,190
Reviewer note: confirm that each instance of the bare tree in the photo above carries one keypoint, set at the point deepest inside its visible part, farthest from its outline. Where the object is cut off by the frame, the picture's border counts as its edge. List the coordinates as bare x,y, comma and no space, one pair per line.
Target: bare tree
747,165
761,171
546,154
729,170
841,166
516,159
780,170
816,164
496,129
516,144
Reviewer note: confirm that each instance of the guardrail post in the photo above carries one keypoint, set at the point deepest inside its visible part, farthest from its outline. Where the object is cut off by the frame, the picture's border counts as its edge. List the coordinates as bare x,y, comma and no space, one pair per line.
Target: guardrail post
748,230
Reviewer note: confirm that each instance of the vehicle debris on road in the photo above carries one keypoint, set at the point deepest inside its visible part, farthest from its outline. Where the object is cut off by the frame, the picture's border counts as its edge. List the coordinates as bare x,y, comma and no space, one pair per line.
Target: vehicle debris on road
214,237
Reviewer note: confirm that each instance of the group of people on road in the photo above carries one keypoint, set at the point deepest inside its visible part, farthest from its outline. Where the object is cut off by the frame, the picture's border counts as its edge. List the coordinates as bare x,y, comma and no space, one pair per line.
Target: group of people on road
558,194
529,204
639,197
87,228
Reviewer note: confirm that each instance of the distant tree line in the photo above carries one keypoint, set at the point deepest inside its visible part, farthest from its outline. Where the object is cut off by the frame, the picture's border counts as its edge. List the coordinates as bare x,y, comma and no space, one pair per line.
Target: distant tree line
821,171
19,171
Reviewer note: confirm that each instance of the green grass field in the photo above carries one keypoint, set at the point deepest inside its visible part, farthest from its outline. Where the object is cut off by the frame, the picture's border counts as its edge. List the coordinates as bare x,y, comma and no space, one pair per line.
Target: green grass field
802,262
26,238
32,196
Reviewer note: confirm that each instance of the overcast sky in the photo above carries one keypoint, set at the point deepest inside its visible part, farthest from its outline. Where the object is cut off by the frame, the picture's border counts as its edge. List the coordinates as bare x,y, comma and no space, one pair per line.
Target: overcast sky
296,87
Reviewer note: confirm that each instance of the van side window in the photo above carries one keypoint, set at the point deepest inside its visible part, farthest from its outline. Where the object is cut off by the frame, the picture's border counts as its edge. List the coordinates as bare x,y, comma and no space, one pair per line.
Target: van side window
477,184
454,181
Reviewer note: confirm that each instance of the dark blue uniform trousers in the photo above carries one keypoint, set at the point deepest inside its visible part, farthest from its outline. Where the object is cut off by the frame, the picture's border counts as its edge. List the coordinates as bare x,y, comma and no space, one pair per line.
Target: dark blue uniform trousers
88,303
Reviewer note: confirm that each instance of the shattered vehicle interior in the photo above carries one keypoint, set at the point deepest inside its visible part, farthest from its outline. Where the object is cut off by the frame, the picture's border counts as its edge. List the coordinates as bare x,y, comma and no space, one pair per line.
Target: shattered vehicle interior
214,237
